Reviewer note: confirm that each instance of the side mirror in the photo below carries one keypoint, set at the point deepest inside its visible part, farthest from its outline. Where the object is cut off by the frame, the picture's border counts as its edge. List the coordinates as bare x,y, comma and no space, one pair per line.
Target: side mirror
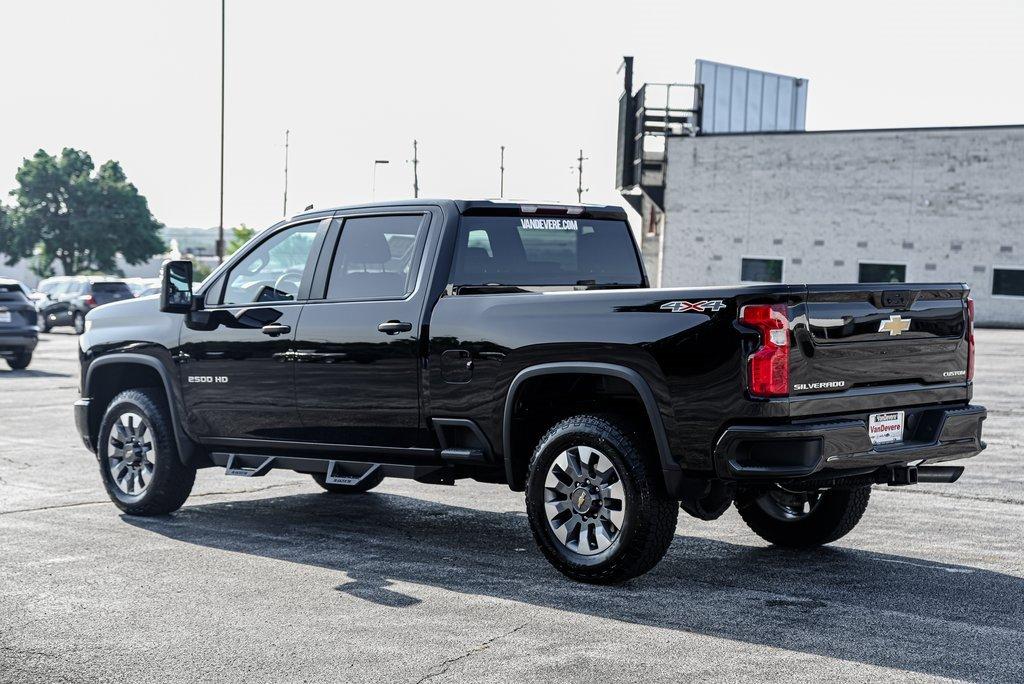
176,287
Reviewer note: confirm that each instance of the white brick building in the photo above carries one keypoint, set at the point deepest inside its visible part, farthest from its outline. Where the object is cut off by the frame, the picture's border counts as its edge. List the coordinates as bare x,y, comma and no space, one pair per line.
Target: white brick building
919,205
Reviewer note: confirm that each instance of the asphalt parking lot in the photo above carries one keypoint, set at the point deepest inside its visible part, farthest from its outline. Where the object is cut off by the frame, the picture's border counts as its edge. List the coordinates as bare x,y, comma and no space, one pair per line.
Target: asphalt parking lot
270,579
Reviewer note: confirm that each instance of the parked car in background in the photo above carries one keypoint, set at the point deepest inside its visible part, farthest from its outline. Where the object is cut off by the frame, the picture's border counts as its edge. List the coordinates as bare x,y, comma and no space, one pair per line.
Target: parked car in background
70,299
142,287
19,333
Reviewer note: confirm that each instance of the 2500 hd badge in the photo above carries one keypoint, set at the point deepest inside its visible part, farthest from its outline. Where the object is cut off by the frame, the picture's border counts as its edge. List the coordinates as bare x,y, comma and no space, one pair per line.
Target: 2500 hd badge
522,345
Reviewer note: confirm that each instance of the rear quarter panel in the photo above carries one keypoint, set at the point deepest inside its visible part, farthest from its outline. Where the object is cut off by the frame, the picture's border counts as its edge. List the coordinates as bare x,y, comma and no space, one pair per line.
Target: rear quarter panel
693,362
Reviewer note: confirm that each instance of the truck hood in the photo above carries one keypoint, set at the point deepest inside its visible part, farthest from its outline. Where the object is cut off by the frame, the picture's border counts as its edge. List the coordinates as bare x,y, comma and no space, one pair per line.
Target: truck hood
130,321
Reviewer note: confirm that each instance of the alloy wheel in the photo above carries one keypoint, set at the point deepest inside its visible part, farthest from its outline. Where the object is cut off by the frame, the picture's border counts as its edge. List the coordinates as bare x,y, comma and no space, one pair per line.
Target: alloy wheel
584,500
132,456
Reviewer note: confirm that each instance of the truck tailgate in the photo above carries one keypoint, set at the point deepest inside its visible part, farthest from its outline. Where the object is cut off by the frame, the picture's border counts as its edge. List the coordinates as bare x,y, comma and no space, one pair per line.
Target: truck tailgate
877,335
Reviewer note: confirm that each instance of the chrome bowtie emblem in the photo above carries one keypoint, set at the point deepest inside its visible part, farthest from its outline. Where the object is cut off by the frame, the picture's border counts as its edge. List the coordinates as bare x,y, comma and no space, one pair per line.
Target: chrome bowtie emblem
896,325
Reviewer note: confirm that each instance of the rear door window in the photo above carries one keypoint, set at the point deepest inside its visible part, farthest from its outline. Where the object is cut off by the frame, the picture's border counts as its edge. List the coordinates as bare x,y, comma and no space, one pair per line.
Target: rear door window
376,257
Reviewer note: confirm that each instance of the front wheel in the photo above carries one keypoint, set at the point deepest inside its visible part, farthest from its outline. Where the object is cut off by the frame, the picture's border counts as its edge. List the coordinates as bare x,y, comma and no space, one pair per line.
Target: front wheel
594,507
798,519
138,456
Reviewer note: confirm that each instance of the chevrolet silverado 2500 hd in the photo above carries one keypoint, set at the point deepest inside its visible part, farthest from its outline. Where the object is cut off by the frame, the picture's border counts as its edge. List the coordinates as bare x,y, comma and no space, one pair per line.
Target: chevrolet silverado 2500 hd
520,344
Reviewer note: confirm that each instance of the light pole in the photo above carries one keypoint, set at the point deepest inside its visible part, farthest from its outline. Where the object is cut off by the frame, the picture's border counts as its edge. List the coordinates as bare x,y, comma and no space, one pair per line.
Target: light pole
373,185
220,224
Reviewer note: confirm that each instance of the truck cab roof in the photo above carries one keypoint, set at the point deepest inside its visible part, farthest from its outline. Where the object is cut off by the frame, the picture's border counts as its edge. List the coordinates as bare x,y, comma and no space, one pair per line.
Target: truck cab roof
478,207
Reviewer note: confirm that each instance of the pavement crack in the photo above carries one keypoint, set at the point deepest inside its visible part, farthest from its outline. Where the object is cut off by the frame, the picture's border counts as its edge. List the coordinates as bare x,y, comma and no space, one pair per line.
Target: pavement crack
444,666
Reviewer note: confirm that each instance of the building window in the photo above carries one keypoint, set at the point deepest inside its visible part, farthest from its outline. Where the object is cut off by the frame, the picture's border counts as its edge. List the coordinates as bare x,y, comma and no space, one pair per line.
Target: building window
761,270
882,273
1008,282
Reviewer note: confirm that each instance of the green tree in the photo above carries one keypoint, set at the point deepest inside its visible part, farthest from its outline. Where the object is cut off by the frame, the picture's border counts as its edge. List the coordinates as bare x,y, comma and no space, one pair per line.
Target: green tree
79,218
239,236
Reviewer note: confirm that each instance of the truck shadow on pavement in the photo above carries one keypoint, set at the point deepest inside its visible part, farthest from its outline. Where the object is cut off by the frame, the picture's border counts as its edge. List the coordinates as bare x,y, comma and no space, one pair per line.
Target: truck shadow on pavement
859,606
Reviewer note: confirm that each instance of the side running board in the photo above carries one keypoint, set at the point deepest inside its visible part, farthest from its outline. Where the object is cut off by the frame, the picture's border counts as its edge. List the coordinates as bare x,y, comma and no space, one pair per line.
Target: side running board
238,468
342,473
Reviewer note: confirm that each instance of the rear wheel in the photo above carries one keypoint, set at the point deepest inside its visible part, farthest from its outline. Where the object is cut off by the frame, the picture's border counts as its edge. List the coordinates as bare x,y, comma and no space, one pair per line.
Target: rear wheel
138,456
78,321
19,361
593,504
371,480
798,519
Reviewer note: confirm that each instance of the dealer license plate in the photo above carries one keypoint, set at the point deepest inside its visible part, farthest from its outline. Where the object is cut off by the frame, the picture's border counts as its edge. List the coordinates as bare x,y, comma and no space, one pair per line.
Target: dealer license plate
886,428
5,316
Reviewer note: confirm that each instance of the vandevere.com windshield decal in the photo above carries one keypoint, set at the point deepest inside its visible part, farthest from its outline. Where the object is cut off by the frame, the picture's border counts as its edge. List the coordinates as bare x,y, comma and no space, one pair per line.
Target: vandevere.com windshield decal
548,224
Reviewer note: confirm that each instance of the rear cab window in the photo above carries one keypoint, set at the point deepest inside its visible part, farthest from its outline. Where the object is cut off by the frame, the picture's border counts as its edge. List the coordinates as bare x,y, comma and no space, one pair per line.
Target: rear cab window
545,251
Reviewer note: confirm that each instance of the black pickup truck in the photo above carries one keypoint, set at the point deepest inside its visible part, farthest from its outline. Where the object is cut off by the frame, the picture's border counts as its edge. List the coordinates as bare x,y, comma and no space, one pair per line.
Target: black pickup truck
521,345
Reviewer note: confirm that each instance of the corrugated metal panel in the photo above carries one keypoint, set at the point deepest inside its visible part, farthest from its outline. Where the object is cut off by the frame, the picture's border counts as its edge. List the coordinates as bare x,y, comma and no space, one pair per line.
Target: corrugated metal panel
738,100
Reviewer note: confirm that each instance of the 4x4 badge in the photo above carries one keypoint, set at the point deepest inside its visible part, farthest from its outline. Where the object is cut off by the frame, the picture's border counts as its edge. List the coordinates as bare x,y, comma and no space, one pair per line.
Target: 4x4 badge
703,305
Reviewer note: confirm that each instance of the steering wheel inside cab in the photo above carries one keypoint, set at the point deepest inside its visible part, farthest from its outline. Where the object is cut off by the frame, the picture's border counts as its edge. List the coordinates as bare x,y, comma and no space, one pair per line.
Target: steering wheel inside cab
284,289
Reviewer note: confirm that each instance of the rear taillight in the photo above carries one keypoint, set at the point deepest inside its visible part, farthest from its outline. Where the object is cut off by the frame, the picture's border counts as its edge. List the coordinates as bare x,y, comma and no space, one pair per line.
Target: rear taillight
970,339
769,365
89,301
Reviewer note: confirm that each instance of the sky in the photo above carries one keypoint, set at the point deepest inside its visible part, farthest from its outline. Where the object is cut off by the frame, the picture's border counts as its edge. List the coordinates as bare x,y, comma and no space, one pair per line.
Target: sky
140,82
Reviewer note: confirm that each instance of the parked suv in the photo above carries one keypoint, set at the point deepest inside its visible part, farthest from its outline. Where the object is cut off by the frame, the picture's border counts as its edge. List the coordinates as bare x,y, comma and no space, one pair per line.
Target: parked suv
520,344
70,299
19,333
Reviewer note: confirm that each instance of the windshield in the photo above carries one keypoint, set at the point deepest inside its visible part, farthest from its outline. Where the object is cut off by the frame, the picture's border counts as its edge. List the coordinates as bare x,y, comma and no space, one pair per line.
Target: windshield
514,250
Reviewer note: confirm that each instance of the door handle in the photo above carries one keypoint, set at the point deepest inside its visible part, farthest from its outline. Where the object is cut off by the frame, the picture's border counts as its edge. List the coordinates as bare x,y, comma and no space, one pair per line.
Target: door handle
275,329
394,327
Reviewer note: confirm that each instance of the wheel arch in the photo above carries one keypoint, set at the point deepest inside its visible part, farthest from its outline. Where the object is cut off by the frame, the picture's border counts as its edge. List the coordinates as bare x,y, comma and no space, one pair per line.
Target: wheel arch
107,376
514,471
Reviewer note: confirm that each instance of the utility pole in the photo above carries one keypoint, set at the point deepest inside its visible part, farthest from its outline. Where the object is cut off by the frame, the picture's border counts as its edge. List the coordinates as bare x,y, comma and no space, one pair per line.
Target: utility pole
579,168
285,213
220,224
415,171
501,166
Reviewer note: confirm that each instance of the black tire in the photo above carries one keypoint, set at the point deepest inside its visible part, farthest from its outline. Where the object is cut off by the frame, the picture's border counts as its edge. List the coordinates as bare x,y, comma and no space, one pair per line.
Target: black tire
649,516
364,485
43,322
836,512
171,480
19,361
78,322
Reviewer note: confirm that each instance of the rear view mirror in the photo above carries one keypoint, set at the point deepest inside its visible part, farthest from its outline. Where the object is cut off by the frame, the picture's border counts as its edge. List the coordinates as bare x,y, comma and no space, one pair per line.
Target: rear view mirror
176,287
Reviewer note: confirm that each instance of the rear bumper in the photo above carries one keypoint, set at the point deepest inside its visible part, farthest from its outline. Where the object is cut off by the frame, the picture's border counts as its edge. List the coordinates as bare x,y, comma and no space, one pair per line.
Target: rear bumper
18,342
842,445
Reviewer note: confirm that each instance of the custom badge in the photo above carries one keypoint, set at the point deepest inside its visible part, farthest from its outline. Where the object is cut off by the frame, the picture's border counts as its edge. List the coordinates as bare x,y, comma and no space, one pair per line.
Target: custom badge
701,306
896,325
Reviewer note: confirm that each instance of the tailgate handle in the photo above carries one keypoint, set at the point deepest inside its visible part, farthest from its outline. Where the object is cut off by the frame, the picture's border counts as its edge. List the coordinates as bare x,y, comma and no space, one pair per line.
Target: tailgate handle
896,299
